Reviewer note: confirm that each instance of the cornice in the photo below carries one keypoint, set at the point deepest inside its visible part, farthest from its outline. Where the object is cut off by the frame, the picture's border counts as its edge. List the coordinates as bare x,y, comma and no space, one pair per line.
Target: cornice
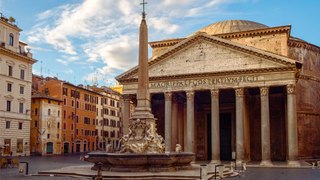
17,55
306,113
224,73
307,77
295,43
165,43
226,43
258,32
5,22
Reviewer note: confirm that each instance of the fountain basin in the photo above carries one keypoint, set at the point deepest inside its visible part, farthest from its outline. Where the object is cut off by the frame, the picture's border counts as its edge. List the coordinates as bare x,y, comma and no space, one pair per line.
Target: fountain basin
140,162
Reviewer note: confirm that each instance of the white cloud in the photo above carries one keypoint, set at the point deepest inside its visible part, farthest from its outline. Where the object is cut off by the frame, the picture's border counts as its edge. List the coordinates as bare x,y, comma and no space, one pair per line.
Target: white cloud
105,32
66,60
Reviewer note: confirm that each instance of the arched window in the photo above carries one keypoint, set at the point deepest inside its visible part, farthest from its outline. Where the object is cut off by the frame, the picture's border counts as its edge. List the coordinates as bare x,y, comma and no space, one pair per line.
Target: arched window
11,39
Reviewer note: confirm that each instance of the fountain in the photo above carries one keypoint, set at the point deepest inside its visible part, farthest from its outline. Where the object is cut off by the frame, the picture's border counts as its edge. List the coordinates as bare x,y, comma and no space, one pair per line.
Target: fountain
142,149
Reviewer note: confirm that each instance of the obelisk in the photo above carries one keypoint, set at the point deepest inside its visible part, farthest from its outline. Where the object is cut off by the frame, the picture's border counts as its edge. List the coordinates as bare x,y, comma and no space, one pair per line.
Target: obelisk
143,97
142,137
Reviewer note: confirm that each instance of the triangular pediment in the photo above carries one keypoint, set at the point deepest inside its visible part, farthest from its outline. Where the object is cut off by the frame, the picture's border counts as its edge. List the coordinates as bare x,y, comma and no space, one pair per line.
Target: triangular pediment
202,54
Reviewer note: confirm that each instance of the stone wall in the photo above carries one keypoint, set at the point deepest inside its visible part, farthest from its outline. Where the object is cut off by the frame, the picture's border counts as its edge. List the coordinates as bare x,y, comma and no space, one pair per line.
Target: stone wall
308,99
275,43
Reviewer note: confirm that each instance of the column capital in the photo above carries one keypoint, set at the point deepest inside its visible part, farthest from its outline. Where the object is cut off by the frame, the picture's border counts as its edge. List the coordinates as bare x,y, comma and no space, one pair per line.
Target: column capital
264,91
291,88
168,96
190,95
239,92
214,92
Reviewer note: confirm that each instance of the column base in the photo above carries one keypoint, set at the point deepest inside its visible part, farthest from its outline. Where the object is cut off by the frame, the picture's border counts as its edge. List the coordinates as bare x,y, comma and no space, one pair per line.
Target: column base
215,162
291,163
266,163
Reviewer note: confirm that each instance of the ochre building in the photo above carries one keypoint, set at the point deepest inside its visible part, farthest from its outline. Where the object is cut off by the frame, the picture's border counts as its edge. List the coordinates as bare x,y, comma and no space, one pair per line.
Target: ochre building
79,112
235,89
45,127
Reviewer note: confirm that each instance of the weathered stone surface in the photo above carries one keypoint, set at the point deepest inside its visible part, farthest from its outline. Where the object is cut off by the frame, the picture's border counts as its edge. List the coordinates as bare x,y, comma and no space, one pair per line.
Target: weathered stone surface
204,57
140,162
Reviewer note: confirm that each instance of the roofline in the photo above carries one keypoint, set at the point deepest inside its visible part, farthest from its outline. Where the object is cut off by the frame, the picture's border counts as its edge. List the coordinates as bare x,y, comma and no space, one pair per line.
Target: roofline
18,55
5,21
45,97
78,87
171,42
294,42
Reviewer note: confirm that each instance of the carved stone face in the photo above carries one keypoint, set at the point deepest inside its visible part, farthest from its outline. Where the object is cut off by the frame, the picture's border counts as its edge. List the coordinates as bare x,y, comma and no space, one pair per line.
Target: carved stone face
139,132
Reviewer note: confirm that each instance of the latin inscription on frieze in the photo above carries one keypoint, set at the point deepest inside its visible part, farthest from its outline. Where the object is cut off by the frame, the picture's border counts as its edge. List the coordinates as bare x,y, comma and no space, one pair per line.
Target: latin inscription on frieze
204,82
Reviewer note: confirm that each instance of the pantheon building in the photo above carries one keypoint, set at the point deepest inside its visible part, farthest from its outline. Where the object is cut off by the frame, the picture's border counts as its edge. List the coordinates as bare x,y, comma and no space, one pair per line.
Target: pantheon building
235,89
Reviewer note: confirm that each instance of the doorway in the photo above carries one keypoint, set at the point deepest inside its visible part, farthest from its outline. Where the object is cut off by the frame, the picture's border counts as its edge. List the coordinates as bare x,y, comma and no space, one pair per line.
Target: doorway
49,148
225,136
78,146
66,148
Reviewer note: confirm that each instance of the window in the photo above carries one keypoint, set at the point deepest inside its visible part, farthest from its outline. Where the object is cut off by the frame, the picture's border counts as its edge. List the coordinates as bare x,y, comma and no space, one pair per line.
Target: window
9,87
8,106
86,120
72,102
49,112
20,125
36,111
21,73
10,70
7,124
48,136
64,125
64,114
21,90
19,145
65,91
11,39
64,102
58,125
35,123
20,107
58,113
77,104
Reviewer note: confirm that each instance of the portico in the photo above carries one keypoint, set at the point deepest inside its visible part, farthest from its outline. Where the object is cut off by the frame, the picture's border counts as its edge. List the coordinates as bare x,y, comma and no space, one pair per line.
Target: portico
222,100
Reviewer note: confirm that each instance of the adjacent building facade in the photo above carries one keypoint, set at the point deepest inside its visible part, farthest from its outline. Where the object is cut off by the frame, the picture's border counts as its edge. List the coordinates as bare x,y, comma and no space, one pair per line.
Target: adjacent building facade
235,90
109,129
15,91
45,133
90,116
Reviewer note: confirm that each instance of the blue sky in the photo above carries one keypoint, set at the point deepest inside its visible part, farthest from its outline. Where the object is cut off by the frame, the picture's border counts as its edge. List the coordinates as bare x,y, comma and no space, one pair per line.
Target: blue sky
82,41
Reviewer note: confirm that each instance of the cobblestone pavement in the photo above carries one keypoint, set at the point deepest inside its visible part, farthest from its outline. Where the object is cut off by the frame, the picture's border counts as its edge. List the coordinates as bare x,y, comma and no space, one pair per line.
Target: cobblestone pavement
279,174
38,163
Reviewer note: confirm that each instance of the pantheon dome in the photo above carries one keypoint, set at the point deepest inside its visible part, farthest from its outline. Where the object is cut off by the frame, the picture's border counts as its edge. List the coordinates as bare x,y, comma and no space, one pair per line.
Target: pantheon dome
231,26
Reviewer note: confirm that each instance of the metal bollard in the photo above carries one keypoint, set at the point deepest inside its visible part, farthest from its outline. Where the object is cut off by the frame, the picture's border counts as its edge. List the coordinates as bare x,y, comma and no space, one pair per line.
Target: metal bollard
220,169
99,173
232,164
244,166
203,171
23,168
